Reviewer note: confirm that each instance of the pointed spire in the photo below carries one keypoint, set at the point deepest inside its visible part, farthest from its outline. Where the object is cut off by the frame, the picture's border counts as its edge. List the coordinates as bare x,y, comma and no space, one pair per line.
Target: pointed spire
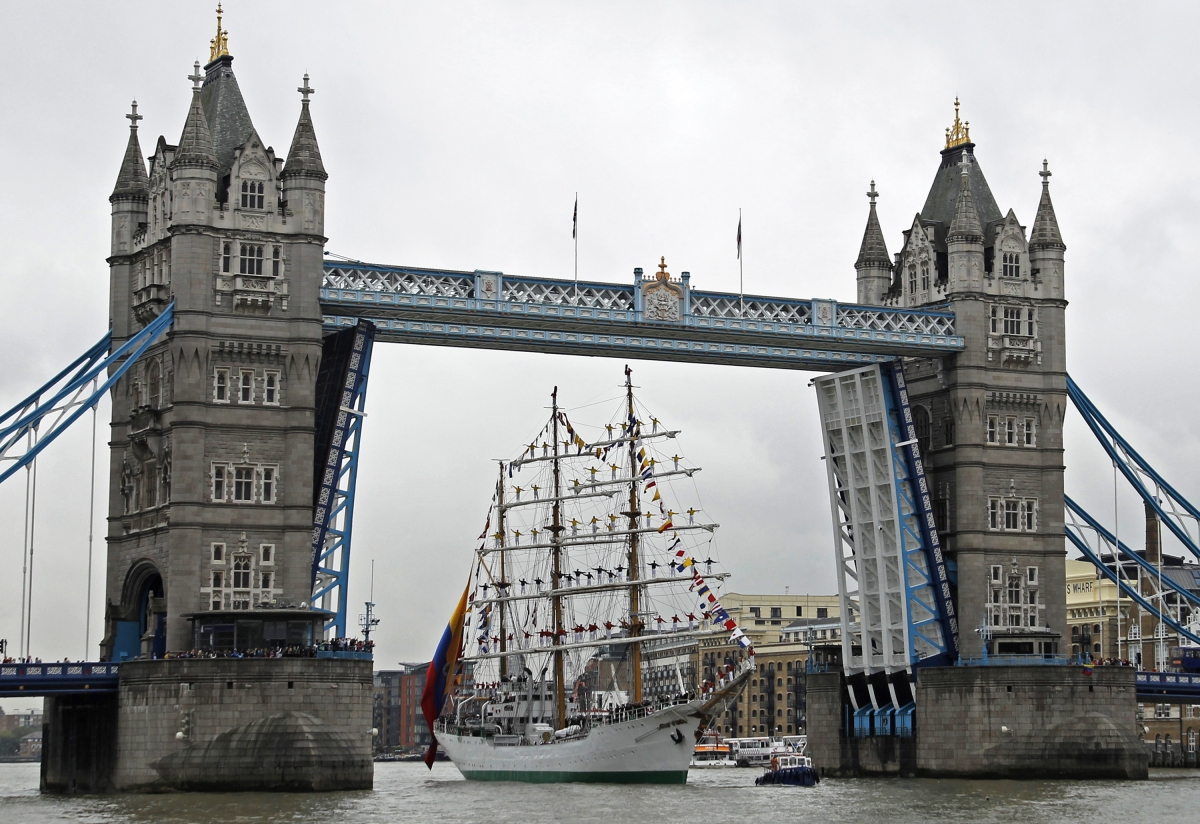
195,144
965,225
219,45
873,251
1045,232
304,156
132,183
960,132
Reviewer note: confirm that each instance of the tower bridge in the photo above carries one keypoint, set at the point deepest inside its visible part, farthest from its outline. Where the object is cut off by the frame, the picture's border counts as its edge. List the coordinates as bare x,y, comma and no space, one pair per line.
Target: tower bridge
241,361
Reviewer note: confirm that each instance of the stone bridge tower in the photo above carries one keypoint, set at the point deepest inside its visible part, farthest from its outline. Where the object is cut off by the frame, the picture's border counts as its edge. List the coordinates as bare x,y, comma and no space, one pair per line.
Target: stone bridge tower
990,419
212,431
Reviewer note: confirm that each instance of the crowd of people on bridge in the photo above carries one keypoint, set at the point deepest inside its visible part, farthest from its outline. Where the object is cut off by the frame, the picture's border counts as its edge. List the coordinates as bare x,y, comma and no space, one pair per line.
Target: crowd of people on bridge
290,651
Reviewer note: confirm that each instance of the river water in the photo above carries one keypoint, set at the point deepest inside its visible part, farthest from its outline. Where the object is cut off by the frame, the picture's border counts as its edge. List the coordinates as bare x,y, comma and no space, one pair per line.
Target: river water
409,793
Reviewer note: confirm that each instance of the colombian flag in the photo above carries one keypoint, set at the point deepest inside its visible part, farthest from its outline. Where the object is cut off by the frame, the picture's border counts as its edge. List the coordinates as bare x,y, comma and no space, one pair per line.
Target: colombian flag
439,677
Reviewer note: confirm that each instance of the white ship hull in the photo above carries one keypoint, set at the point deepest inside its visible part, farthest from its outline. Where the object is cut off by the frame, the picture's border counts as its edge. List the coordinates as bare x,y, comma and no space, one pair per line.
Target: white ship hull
655,749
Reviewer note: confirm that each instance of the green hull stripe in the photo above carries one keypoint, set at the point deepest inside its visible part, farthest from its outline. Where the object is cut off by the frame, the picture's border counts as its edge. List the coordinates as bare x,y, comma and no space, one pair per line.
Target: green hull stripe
560,776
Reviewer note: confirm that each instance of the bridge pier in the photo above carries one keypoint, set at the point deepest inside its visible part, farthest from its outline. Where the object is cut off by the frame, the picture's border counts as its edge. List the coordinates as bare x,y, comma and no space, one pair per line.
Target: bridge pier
218,724
1020,721
79,743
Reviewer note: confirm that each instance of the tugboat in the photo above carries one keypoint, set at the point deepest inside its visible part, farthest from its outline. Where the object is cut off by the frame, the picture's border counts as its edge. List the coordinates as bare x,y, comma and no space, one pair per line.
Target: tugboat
790,770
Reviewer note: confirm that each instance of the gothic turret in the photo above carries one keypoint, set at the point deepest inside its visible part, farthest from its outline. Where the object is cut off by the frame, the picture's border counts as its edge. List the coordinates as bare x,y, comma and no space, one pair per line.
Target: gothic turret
132,192
194,165
874,267
1046,245
304,174
964,241
196,144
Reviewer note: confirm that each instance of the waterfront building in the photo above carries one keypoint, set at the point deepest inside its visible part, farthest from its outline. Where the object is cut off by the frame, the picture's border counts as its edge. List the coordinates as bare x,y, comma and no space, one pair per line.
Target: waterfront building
385,709
786,630
22,718
412,732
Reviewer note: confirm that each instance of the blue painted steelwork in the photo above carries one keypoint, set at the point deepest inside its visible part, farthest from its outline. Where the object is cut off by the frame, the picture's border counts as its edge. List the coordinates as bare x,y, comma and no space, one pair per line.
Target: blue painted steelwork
1168,687
930,610
1074,509
1140,474
593,343
1083,547
494,310
333,516
22,680
68,397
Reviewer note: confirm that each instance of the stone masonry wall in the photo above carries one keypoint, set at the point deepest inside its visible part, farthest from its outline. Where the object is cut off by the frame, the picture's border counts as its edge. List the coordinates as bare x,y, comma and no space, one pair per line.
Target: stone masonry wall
1026,721
211,697
992,722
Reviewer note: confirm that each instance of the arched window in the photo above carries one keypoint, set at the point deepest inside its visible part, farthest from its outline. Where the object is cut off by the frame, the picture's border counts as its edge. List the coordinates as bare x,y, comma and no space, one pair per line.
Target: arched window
252,194
912,279
154,385
1012,264
241,572
924,275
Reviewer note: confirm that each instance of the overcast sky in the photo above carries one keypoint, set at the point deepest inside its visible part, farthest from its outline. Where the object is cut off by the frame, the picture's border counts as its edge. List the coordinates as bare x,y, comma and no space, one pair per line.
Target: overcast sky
456,135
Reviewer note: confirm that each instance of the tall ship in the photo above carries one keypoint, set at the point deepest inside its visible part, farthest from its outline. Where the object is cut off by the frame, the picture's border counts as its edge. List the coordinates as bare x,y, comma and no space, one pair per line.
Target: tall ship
593,578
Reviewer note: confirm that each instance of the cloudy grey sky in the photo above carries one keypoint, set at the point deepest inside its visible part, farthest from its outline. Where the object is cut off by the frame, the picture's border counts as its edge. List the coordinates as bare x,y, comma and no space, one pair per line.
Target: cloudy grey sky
456,135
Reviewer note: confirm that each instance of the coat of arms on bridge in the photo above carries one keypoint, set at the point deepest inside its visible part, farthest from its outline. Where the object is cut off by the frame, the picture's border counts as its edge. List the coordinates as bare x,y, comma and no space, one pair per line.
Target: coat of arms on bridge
662,298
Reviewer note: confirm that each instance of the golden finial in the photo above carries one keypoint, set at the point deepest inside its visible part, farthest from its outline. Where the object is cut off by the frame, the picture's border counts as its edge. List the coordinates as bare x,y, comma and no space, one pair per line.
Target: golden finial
662,273
960,132
219,45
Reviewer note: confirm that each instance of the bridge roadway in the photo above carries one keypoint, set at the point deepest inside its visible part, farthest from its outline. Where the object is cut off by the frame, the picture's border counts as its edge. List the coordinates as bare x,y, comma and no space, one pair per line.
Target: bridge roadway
35,680
497,311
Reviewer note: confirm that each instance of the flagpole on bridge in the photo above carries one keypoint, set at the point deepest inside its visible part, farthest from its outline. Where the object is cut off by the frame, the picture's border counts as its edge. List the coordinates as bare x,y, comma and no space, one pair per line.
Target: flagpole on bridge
575,237
741,281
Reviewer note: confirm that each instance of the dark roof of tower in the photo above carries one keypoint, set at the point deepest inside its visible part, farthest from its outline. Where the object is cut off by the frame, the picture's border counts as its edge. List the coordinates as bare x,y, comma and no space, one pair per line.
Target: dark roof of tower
1045,225
304,156
132,181
873,251
195,144
224,110
965,223
942,201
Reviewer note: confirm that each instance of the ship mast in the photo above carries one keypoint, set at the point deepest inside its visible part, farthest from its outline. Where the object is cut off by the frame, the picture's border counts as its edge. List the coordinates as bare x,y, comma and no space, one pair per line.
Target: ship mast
556,529
635,617
503,577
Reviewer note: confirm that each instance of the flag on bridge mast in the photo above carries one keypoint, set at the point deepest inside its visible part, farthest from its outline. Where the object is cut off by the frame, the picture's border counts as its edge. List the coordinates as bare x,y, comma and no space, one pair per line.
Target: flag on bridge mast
575,237
741,287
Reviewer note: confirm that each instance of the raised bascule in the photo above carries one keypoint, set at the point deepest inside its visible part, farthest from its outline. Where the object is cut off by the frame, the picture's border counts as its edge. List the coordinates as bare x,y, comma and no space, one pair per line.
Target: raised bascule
238,375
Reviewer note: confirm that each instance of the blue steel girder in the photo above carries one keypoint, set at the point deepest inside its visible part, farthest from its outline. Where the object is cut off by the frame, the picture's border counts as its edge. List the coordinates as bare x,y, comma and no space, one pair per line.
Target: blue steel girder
67,678
1181,517
931,613
33,424
333,519
497,311
1082,523
1077,538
